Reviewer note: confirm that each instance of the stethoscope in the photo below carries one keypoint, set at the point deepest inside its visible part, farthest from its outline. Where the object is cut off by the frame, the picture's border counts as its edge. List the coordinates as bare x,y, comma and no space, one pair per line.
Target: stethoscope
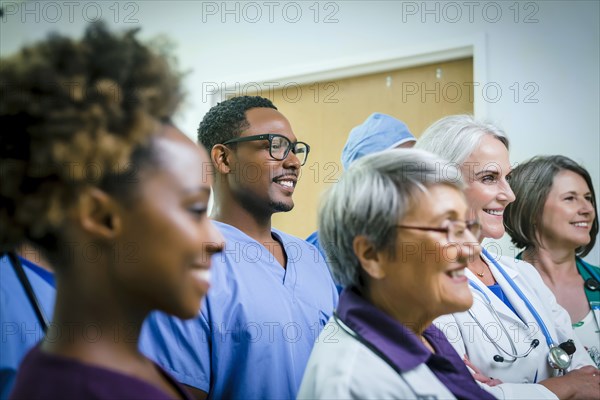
513,354
559,356
31,296
592,283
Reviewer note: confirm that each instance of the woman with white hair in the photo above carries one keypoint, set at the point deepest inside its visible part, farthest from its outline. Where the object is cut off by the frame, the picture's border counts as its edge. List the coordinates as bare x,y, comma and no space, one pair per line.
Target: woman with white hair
396,234
515,331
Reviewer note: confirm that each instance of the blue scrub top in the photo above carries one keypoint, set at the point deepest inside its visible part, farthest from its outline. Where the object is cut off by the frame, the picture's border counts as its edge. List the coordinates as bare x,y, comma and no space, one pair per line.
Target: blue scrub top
314,240
19,327
257,325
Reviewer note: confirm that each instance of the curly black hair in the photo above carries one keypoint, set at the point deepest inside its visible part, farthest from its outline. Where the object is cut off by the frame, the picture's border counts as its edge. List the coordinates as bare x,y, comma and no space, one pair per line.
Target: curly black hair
227,119
75,113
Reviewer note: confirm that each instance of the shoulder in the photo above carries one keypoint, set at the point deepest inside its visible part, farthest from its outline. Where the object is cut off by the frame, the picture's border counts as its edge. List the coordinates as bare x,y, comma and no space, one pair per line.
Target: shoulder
170,332
61,377
342,367
288,239
520,266
336,353
14,303
301,250
228,231
513,263
54,377
527,278
313,237
450,326
38,277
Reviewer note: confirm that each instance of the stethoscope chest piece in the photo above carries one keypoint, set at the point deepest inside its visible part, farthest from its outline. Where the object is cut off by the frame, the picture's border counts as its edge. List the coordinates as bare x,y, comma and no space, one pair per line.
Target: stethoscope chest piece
558,358
592,284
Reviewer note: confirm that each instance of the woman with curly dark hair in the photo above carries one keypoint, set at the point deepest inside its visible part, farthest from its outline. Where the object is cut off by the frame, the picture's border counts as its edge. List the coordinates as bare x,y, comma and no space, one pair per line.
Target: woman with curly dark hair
115,196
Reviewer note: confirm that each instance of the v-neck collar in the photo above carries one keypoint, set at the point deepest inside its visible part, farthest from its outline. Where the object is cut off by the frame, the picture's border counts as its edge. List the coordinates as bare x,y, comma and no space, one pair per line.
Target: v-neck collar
287,274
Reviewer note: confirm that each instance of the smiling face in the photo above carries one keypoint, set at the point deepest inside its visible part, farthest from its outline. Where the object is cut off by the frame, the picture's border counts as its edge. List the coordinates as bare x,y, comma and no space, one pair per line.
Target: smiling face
568,213
167,239
260,183
426,272
488,192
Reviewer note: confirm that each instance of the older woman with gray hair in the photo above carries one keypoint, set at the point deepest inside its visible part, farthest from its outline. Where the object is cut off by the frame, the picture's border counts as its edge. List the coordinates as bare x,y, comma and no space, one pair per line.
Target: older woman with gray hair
515,331
396,234
555,221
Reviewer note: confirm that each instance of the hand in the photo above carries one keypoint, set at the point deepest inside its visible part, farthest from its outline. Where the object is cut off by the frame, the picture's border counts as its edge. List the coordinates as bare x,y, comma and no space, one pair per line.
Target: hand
478,376
582,383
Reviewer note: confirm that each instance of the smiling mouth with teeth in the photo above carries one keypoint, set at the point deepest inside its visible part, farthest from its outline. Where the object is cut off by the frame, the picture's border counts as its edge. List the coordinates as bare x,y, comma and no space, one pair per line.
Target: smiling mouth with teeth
580,224
288,184
203,274
498,213
457,273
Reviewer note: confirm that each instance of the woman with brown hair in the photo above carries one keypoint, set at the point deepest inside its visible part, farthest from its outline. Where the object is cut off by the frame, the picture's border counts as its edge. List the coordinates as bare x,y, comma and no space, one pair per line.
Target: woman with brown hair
515,331
554,219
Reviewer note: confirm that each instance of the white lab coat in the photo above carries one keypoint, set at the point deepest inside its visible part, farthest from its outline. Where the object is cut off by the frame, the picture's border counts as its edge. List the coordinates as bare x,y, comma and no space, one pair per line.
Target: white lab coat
341,367
519,377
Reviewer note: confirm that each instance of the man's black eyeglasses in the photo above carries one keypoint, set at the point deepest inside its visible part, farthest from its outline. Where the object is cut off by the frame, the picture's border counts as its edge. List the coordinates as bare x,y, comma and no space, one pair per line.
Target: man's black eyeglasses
279,146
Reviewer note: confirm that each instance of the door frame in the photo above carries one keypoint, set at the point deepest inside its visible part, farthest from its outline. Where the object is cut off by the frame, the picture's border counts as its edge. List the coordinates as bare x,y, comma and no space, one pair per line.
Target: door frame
369,63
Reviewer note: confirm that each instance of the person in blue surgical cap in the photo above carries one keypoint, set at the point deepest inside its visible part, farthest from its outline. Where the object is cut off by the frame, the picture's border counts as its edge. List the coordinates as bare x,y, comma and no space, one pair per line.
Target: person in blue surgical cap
379,132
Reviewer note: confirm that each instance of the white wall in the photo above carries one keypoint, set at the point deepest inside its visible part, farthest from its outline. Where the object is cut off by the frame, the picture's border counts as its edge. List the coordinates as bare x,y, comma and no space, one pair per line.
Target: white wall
550,46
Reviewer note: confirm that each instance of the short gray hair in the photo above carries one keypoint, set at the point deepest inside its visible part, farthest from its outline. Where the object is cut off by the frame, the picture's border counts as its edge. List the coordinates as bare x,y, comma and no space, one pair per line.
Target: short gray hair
369,200
455,137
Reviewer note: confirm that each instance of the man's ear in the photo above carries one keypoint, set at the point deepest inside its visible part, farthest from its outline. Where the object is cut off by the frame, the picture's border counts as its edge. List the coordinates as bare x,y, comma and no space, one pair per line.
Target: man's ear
99,214
369,257
220,156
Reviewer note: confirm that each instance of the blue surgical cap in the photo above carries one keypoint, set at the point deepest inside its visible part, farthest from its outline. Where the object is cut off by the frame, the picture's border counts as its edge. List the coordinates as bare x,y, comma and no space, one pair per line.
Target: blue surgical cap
379,132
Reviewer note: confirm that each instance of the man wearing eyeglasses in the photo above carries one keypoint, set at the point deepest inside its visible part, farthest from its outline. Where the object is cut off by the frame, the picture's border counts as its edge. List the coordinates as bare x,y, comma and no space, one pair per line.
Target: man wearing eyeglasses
271,293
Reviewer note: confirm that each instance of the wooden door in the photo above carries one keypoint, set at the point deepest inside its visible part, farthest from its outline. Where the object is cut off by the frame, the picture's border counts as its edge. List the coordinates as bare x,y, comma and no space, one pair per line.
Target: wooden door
322,114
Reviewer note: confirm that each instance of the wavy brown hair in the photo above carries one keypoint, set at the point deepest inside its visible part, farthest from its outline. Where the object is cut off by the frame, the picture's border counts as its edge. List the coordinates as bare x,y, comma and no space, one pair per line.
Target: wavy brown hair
532,182
75,113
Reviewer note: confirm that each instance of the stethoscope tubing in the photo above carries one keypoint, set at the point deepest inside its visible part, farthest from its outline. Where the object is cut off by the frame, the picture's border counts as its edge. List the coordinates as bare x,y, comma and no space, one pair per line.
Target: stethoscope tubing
31,296
596,277
513,354
558,358
549,341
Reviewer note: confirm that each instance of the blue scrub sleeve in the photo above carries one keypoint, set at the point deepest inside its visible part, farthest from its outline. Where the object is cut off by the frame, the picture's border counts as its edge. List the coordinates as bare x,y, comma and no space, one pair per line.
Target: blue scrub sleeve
182,348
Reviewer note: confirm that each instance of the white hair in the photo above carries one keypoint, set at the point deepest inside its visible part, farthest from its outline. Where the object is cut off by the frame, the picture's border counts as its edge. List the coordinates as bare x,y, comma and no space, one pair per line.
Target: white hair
455,137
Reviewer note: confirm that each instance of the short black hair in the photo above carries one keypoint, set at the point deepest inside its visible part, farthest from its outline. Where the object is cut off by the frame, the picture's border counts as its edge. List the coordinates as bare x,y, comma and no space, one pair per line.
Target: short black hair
227,119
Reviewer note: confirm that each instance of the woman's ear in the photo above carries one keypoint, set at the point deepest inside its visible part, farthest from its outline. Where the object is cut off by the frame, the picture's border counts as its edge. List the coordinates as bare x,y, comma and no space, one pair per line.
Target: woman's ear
220,155
99,214
369,257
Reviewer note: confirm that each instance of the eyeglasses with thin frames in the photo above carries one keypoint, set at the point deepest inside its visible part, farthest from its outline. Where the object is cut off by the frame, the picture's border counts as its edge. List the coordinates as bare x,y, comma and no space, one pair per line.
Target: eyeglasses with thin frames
455,231
279,146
